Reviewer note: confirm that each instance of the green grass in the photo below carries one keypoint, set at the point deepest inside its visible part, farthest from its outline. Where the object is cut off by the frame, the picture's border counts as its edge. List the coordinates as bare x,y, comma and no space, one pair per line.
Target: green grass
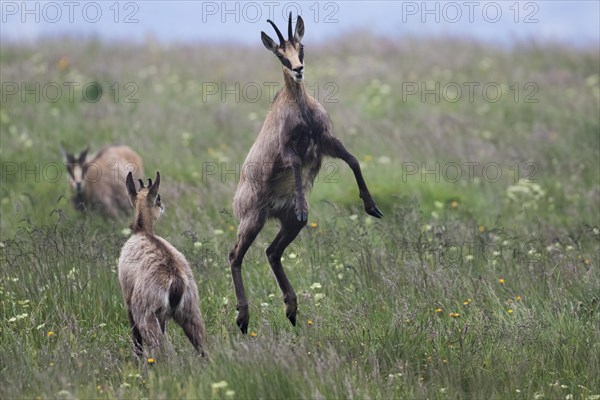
375,296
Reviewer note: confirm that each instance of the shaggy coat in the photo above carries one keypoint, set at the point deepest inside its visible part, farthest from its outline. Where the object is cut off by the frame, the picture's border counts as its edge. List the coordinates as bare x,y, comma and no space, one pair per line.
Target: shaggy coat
155,278
98,181
267,177
281,167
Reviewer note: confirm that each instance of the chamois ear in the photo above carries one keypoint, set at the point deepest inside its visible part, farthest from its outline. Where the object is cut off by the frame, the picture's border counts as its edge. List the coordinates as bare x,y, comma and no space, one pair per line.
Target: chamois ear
154,187
83,155
299,33
268,42
131,188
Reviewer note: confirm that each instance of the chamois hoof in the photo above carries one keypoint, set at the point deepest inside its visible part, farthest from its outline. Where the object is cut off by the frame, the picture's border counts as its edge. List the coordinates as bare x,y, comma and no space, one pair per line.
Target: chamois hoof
242,321
243,327
302,215
374,211
292,318
291,310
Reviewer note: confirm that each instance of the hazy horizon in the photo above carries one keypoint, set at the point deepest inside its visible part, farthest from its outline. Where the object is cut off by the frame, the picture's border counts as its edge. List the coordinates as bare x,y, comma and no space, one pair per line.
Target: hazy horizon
572,23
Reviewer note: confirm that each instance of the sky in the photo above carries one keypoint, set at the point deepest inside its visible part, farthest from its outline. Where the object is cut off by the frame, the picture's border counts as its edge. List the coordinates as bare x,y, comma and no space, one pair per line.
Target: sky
501,22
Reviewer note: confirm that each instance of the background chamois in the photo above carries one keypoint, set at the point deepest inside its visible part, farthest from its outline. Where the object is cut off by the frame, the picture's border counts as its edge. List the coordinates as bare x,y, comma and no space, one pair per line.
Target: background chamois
281,167
98,183
155,278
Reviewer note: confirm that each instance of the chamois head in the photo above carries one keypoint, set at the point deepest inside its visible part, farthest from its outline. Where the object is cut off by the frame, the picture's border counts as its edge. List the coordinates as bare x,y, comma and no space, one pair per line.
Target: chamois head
146,201
77,168
290,52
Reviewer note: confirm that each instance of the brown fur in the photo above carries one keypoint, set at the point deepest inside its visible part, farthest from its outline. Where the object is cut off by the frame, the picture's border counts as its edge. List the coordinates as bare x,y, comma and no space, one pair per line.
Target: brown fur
281,167
156,279
98,182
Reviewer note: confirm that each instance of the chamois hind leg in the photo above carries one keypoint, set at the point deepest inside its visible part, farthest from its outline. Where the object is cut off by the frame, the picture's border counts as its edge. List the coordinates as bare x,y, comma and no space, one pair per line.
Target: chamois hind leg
194,332
136,337
190,321
248,229
290,227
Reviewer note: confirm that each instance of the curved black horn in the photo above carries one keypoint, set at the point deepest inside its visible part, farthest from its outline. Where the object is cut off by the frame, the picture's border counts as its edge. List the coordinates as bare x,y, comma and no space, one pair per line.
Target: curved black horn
279,35
141,183
149,182
154,189
290,34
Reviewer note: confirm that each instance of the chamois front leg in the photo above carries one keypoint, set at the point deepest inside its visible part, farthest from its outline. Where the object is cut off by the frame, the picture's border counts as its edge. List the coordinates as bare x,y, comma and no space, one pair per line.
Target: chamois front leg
335,148
301,207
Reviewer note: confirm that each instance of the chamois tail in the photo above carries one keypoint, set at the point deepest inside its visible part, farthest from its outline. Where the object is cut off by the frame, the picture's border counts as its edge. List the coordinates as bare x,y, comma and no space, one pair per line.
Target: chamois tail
176,291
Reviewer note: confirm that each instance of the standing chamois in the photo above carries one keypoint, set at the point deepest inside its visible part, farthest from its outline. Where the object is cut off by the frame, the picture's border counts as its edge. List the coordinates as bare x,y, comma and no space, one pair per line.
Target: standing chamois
155,278
281,167
98,182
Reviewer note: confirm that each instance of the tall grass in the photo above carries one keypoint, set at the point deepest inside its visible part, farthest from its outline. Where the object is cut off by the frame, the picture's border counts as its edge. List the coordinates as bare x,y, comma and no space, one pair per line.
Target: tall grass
468,288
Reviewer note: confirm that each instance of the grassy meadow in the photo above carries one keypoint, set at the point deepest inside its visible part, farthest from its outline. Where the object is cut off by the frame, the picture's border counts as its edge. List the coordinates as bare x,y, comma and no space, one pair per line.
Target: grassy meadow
481,281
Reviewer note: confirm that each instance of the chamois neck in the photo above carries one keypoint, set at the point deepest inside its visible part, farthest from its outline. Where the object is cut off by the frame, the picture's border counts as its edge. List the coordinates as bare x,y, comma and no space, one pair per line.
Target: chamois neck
142,223
295,92
294,89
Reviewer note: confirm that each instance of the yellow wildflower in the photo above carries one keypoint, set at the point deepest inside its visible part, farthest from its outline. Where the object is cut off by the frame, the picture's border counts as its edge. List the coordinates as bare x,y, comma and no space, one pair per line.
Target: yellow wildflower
510,311
253,334
518,298
63,63
314,225
454,204
454,315
438,310
151,360
501,280
50,334
309,322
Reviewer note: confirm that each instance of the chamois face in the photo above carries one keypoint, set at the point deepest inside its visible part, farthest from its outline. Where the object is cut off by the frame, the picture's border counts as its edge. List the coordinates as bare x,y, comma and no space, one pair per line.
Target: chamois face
76,169
147,202
290,52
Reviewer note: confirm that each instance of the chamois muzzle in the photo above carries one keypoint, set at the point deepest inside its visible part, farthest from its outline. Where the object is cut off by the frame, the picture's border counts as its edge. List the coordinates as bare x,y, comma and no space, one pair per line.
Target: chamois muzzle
299,71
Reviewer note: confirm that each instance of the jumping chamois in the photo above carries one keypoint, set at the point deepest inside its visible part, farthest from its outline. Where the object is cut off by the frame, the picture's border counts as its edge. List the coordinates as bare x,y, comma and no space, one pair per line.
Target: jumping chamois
155,278
281,167
98,182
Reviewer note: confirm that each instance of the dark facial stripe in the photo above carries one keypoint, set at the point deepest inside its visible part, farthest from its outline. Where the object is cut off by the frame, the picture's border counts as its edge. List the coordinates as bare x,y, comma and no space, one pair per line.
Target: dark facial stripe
284,61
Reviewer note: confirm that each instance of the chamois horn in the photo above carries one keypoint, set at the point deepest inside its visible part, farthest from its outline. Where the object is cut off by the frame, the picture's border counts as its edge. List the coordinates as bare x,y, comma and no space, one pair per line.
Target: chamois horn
279,35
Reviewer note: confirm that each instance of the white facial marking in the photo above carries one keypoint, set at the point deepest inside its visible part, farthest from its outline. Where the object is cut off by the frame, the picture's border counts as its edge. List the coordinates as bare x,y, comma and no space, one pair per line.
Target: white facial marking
77,178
